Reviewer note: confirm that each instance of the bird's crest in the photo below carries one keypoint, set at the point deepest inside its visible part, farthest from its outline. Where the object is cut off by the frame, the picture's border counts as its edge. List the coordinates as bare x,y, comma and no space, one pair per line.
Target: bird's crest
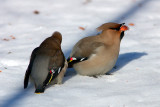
57,35
114,26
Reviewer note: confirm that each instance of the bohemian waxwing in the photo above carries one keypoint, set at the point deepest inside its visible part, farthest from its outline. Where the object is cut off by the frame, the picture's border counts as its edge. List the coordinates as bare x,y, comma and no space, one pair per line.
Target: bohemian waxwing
47,64
97,55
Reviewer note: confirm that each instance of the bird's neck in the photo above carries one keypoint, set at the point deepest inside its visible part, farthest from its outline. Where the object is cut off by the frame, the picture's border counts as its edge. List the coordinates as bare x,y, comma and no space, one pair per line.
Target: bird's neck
110,39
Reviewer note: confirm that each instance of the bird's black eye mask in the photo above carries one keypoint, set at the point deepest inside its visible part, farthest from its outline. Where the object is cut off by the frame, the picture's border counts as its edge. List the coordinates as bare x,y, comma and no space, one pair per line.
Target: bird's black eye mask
117,29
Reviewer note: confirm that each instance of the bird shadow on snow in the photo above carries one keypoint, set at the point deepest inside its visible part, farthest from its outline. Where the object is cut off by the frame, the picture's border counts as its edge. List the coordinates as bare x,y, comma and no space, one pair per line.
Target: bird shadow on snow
125,58
16,97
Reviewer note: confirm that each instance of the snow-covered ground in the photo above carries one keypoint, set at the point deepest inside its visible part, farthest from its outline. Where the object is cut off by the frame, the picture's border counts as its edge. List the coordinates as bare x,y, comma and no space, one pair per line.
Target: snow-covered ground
134,83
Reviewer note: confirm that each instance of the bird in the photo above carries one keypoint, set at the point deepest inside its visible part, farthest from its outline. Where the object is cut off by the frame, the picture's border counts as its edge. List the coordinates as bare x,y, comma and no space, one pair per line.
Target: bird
97,55
47,64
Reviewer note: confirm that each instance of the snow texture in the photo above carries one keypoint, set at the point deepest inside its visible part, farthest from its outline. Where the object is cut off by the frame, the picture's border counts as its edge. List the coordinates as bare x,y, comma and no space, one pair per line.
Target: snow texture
134,82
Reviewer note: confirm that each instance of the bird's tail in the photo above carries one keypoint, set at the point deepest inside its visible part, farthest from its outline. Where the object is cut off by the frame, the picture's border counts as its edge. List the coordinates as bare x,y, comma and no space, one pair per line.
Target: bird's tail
26,78
39,89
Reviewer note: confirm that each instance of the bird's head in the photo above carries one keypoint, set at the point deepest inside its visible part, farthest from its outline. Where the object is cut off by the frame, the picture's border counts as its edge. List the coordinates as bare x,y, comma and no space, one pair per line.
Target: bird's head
114,28
57,36
53,42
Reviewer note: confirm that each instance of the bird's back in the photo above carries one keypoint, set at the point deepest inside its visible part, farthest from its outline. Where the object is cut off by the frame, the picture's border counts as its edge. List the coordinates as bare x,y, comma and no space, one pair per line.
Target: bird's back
86,46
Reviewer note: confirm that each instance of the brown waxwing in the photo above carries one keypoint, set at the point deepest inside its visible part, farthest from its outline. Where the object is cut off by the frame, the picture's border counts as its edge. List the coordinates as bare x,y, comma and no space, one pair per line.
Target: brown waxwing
47,64
97,55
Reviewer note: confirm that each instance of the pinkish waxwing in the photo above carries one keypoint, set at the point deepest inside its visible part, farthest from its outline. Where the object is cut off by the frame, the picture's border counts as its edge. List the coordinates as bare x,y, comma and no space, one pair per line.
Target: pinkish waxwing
47,64
97,55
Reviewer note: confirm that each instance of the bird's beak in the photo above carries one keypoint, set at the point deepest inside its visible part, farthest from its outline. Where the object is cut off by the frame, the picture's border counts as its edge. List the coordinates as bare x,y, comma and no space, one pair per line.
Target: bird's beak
124,28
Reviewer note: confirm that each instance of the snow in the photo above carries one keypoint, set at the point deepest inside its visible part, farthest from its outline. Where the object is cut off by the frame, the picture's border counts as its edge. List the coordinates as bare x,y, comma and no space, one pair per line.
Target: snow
134,82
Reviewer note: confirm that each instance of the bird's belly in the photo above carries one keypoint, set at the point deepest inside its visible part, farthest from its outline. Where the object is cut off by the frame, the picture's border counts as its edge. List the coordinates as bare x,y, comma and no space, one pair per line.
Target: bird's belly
96,65
40,68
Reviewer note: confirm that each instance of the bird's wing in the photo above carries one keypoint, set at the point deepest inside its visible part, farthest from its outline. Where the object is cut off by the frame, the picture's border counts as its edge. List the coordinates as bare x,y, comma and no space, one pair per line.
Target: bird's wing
55,66
86,46
83,50
28,71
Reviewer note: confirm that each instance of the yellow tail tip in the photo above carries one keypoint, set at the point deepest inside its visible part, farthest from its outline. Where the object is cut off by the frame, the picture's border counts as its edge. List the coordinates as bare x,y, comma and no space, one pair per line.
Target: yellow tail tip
70,60
38,93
